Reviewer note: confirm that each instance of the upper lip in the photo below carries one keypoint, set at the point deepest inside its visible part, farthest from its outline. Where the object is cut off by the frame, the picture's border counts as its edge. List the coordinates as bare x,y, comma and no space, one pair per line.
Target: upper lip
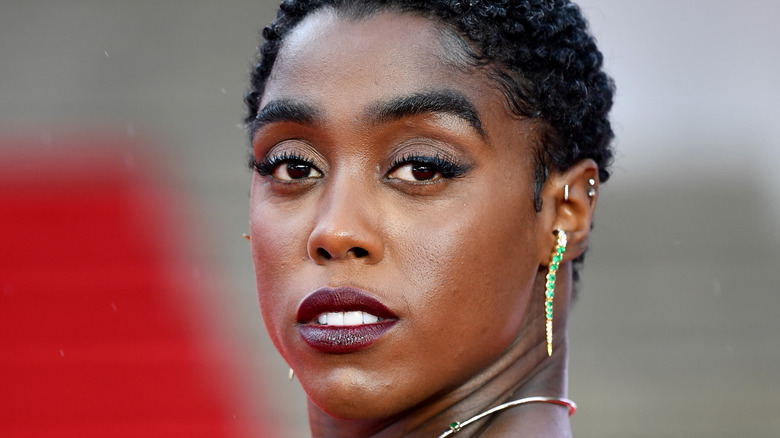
341,299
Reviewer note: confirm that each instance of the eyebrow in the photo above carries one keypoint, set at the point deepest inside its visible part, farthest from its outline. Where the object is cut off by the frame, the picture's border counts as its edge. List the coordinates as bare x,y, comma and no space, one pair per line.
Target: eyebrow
284,110
431,102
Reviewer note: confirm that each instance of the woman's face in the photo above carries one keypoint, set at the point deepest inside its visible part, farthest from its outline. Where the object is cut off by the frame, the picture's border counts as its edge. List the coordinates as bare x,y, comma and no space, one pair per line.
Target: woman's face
395,185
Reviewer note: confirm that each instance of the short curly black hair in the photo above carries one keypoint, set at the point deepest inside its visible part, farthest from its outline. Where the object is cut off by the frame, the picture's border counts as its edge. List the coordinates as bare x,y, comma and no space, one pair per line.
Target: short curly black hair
539,51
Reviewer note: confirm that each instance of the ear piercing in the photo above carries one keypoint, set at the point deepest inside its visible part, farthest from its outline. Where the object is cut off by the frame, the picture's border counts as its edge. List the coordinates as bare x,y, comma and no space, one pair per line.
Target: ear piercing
246,236
591,189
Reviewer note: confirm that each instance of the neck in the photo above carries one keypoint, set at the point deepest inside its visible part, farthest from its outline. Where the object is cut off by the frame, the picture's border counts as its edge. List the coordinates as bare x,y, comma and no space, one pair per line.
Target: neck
524,370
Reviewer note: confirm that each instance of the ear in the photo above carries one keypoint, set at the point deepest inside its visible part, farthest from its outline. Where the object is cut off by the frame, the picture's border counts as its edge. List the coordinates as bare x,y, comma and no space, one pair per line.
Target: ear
572,214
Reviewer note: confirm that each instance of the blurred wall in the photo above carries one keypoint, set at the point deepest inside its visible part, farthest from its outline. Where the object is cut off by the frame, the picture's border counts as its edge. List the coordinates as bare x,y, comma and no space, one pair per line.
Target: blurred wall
674,333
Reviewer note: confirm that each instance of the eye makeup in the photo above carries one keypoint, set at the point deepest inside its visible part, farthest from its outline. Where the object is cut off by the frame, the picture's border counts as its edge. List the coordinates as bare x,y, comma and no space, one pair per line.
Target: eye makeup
427,164
266,166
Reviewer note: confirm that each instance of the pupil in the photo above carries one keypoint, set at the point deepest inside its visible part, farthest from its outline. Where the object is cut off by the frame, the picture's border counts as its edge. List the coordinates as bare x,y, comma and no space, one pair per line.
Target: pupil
298,170
422,172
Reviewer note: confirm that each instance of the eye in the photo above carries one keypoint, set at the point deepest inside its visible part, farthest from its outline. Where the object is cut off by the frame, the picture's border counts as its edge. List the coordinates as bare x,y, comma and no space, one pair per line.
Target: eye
292,170
421,169
416,172
286,167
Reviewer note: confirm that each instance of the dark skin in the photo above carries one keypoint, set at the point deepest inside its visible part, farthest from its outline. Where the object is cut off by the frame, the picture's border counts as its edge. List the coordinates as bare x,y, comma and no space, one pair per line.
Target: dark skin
356,120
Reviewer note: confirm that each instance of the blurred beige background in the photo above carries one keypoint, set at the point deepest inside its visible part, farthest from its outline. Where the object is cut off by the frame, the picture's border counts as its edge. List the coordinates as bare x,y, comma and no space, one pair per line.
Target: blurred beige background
675,333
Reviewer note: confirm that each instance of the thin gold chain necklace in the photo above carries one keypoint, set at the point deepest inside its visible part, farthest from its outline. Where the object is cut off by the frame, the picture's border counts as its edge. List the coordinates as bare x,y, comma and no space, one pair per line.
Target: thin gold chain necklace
456,426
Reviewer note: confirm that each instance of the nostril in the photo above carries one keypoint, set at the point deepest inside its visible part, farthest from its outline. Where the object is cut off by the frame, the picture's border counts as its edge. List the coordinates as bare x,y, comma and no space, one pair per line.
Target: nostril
358,252
324,254
355,252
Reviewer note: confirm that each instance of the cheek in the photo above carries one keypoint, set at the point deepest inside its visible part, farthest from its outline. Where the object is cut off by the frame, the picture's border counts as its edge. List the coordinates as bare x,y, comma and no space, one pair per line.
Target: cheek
276,244
472,271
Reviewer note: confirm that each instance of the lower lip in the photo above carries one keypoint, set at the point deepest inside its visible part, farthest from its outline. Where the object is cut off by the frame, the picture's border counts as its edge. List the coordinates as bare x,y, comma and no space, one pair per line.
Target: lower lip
343,339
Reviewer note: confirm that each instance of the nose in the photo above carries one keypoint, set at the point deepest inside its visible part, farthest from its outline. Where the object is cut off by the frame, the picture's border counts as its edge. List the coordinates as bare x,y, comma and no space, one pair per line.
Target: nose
346,228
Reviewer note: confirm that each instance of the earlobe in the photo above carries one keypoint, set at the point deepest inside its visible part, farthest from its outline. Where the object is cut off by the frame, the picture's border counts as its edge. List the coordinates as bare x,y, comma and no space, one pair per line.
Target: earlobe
570,198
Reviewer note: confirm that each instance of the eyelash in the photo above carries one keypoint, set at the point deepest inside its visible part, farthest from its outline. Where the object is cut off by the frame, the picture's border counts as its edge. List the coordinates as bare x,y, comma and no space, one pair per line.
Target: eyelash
447,168
267,165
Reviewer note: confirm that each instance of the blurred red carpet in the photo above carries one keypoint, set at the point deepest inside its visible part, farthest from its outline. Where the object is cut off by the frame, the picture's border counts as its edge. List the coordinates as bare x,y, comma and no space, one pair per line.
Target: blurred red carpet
99,303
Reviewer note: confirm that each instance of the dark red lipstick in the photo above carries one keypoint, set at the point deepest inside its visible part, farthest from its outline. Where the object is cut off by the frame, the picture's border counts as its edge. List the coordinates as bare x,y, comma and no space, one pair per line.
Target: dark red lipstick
341,339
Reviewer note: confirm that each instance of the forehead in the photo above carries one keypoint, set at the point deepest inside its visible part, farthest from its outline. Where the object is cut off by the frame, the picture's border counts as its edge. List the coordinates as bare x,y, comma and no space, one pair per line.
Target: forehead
345,66
384,55
394,36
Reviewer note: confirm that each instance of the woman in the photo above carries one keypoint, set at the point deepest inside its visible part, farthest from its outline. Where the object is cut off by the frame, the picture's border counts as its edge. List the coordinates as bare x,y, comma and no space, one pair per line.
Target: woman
425,179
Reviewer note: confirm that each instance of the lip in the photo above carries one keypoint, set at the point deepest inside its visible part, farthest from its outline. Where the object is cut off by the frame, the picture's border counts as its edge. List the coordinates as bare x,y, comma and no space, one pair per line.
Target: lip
342,339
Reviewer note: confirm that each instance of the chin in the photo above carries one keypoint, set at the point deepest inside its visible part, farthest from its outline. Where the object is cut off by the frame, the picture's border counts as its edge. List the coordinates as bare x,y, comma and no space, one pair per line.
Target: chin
344,395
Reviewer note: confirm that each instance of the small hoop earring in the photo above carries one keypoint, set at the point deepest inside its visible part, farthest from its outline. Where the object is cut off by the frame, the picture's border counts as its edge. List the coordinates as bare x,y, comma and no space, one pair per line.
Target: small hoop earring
549,293
566,192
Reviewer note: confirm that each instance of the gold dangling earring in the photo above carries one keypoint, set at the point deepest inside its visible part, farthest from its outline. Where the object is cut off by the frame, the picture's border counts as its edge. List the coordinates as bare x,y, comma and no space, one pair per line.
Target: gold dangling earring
549,294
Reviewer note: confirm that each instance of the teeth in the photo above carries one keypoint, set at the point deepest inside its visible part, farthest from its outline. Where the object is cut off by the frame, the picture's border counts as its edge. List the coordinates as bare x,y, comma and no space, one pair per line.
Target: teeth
353,318
335,318
347,318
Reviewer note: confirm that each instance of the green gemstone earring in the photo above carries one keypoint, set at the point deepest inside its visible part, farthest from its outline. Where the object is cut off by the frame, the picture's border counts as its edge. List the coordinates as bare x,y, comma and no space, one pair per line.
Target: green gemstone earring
549,293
